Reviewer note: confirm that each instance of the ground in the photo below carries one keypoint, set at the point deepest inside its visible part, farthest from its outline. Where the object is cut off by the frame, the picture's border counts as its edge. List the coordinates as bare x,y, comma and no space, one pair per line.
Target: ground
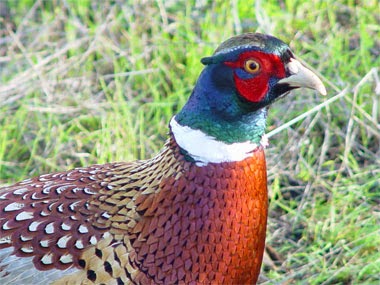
85,82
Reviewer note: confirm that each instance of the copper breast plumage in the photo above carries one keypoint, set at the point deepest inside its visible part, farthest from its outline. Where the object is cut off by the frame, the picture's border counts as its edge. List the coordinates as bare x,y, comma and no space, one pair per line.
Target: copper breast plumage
163,220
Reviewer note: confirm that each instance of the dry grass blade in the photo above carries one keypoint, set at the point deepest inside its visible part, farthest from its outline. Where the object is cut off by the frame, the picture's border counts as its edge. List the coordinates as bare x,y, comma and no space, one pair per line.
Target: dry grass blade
308,113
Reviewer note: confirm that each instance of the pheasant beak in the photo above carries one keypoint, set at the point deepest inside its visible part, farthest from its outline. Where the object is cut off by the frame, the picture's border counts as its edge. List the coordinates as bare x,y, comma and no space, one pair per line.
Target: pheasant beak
300,76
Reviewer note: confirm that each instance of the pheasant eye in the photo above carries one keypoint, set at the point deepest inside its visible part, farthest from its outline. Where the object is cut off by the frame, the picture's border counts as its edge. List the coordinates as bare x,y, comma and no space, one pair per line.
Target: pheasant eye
251,66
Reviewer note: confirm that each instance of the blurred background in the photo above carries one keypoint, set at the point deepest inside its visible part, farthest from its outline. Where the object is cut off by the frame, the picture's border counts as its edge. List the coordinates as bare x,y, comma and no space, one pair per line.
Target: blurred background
84,82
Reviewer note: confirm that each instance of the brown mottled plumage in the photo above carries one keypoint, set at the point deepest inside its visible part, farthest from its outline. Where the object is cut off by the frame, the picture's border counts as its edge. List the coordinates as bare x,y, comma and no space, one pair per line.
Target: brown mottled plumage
131,225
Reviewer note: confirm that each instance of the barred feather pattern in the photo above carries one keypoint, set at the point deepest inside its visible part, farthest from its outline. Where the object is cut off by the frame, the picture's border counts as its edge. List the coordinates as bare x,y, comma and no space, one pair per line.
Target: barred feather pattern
158,221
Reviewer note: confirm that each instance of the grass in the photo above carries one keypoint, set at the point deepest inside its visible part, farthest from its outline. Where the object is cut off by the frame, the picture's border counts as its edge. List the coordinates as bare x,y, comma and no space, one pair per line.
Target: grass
85,82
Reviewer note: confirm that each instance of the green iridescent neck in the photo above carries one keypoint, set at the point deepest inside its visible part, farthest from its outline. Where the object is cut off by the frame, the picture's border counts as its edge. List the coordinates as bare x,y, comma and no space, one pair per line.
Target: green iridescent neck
249,127
216,110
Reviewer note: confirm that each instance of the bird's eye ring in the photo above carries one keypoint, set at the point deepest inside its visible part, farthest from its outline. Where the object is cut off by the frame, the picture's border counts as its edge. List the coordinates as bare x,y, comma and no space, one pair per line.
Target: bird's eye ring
251,66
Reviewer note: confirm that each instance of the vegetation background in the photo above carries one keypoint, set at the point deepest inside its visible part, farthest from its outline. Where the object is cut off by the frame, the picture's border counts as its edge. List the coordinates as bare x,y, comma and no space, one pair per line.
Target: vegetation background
84,82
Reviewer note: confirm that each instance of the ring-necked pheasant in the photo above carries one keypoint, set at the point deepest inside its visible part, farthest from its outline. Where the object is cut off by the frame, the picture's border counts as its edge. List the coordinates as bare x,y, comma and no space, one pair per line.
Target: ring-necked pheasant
194,213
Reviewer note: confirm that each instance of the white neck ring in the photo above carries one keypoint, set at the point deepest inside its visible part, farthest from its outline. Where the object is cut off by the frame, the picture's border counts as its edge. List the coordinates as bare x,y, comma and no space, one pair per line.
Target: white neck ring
206,149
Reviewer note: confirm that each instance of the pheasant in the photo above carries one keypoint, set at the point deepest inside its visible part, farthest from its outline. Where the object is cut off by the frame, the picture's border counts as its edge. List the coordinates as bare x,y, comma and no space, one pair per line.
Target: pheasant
193,214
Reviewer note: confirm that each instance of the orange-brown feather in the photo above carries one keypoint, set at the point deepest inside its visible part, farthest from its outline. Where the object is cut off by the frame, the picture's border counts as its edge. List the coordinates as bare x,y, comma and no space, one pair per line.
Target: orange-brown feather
163,220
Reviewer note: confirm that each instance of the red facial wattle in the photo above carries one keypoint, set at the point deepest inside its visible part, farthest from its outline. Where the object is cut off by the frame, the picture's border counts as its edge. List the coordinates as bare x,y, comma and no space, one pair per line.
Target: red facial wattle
256,85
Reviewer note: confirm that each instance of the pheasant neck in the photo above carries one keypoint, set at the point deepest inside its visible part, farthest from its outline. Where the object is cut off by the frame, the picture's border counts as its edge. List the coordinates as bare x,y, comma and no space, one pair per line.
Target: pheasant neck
204,149
215,109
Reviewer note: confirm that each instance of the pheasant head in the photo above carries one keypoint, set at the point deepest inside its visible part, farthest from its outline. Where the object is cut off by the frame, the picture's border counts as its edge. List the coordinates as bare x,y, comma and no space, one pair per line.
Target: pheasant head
195,213
229,102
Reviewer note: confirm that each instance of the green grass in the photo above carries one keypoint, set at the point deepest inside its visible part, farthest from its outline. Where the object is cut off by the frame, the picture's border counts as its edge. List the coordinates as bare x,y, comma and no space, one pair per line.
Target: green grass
85,82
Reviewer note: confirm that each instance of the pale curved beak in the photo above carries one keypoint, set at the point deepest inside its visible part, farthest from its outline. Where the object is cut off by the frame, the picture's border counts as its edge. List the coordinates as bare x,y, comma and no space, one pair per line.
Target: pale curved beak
302,77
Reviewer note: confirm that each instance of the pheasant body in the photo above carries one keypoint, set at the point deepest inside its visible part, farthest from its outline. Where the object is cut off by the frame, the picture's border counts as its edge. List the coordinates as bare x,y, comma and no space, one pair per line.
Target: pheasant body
193,214
103,205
